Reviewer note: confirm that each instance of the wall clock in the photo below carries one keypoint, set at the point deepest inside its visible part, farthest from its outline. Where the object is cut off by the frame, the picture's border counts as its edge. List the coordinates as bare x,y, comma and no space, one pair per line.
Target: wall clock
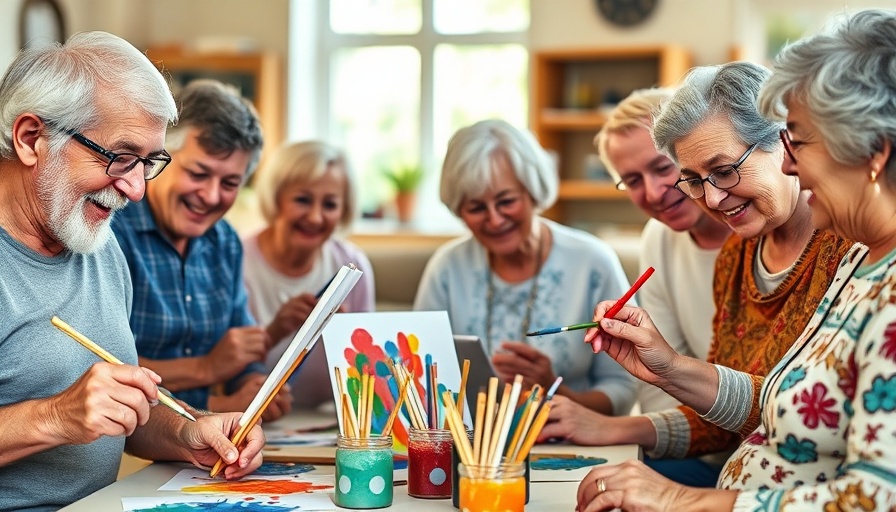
625,13
41,19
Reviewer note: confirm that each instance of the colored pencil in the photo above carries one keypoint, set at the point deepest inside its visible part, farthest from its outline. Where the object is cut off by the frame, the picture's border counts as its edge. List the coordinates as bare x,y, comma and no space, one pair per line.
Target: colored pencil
461,394
164,395
610,312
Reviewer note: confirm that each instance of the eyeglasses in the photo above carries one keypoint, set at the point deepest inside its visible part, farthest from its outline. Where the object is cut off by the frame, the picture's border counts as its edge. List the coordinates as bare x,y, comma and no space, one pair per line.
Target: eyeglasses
788,143
120,164
723,179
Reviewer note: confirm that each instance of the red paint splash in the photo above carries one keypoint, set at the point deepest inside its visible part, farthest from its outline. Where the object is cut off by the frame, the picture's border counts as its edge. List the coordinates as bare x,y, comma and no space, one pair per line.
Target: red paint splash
250,486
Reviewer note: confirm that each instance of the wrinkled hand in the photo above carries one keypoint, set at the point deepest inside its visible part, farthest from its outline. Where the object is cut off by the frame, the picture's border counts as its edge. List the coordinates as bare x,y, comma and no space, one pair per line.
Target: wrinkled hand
634,342
631,486
237,348
108,400
291,315
208,439
575,423
240,399
519,358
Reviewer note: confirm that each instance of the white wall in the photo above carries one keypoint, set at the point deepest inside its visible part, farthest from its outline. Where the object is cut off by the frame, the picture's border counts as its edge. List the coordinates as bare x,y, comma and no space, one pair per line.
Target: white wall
703,26
145,23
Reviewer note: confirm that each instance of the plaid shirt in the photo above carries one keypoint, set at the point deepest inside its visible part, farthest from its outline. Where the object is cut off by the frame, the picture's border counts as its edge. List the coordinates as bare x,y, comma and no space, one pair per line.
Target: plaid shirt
182,305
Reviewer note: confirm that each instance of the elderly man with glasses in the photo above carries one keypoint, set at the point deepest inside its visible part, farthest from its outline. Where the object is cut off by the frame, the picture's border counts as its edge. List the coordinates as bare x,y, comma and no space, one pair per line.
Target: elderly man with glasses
191,315
65,416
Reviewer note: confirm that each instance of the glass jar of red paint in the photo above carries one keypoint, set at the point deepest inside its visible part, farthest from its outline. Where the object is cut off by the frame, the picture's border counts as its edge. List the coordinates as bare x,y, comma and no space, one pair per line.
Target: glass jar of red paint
429,463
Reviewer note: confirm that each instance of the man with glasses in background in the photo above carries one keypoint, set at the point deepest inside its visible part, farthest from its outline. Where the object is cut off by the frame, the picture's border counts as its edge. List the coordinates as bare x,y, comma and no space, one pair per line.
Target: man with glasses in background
76,146
191,316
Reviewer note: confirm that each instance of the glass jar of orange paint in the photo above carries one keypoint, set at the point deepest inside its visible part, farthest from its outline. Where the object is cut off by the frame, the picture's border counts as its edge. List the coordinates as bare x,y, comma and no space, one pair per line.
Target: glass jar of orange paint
492,489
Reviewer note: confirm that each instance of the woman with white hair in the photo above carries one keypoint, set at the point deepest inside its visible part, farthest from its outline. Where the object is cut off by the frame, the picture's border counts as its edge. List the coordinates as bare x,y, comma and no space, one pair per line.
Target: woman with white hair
517,271
826,434
305,193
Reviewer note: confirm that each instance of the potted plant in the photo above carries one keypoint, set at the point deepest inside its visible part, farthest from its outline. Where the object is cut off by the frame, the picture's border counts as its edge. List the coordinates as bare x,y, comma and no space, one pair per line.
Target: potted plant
405,179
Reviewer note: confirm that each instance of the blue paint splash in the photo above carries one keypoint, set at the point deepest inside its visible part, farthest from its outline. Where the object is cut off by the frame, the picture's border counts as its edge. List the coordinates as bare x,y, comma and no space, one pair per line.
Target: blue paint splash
565,463
220,506
282,468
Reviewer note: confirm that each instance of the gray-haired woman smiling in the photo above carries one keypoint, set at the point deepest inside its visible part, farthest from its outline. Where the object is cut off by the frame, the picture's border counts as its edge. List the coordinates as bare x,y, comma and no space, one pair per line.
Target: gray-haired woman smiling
827,437
770,274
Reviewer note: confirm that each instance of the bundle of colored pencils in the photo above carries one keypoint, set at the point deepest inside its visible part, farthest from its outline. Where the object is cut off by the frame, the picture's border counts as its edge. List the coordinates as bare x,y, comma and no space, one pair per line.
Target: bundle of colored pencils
356,421
504,431
422,411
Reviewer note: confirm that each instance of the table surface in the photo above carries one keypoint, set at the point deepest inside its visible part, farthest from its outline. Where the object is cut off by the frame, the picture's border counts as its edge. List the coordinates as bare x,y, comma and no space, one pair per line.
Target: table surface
544,496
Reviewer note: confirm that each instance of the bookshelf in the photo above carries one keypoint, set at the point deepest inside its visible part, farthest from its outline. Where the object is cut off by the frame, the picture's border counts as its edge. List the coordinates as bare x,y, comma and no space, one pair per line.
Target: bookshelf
572,92
257,75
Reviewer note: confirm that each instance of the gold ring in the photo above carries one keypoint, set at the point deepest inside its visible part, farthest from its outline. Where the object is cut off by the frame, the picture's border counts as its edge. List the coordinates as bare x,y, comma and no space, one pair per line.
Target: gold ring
601,485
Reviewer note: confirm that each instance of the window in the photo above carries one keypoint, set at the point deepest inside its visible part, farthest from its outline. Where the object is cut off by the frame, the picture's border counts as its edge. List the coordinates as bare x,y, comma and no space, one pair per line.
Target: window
394,79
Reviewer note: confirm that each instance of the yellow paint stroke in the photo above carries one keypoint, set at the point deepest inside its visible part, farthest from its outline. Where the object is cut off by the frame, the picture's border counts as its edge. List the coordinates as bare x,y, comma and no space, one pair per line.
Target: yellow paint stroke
267,487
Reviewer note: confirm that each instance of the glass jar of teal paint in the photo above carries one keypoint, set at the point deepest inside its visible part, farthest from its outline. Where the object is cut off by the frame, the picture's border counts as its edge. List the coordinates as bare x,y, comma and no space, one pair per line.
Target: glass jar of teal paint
363,472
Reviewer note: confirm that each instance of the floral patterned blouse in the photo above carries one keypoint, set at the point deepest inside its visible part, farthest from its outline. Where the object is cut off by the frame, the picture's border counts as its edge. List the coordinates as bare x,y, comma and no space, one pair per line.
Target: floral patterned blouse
827,437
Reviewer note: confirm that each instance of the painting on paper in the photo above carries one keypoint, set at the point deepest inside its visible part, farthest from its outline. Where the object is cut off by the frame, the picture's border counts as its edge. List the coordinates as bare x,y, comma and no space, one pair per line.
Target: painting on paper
363,342
182,503
298,479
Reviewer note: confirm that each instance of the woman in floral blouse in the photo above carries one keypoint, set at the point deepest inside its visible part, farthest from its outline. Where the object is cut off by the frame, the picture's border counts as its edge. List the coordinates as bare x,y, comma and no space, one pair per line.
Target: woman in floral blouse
827,412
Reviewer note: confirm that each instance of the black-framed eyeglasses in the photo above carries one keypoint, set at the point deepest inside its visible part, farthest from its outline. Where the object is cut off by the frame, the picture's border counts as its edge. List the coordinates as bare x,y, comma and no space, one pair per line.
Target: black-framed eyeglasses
723,178
788,143
120,164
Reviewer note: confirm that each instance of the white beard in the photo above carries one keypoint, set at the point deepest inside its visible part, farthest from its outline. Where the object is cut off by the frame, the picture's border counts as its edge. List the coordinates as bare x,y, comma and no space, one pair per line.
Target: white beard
68,223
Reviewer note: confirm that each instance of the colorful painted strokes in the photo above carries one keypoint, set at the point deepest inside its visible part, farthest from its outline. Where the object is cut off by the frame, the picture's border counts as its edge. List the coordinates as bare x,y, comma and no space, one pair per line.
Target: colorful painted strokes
194,481
218,504
564,463
561,468
282,468
363,342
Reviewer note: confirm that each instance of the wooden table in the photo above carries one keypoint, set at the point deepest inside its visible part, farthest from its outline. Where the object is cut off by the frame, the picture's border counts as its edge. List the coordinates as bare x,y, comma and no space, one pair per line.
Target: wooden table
544,496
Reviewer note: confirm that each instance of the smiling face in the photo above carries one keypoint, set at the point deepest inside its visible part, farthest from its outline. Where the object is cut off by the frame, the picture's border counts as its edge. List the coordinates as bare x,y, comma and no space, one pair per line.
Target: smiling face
501,218
762,201
195,190
839,193
309,212
76,196
649,179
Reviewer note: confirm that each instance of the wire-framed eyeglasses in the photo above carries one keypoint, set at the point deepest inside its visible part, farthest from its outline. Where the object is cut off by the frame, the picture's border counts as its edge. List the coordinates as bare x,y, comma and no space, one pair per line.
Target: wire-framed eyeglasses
723,178
788,143
120,164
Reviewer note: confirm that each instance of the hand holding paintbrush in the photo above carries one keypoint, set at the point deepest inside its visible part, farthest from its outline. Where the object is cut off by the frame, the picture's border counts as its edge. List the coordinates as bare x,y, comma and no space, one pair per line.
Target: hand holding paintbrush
164,395
594,326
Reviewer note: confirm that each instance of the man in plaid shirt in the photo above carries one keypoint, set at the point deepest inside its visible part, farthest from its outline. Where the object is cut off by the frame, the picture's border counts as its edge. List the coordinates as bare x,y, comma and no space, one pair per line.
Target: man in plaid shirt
190,314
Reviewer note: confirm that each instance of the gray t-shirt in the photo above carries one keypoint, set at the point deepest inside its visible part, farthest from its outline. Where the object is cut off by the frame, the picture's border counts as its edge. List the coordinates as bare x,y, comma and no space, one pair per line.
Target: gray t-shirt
92,293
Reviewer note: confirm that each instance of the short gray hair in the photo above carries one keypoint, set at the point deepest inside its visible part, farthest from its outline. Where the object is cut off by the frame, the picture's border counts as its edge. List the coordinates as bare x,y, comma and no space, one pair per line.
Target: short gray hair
468,166
730,90
302,161
226,122
846,77
64,83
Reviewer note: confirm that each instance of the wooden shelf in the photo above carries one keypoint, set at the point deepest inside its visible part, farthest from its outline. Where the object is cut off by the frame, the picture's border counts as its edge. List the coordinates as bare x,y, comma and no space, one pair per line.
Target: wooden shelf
589,189
569,90
258,76
572,120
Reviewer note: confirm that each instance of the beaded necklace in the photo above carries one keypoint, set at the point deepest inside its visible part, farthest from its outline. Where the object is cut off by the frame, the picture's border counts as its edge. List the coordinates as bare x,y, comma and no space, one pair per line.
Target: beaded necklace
530,302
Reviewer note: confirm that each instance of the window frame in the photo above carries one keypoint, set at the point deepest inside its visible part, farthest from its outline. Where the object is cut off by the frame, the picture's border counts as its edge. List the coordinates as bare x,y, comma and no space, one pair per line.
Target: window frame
313,43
